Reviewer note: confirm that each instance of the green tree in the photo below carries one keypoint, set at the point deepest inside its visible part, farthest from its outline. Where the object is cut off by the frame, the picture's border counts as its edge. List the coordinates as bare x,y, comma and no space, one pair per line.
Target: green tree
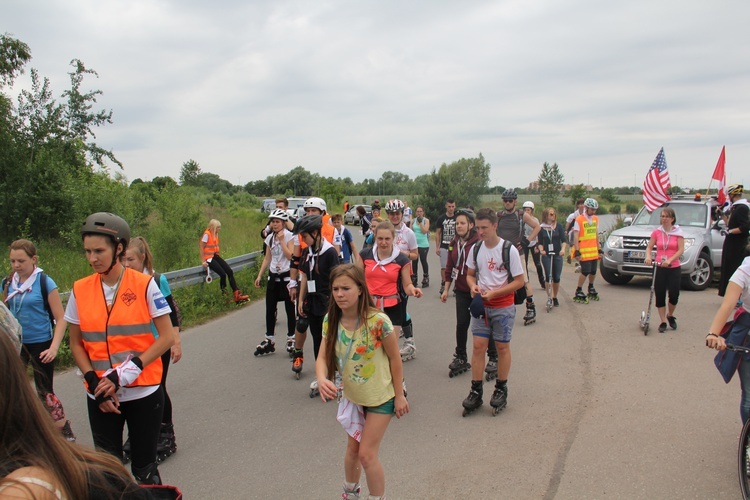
609,195
550,183
464,180
14,55
189,173
576,192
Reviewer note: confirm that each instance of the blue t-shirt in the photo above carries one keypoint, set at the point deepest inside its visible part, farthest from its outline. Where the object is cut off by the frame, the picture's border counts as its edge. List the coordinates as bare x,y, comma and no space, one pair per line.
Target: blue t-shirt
166,291
346,249
28,309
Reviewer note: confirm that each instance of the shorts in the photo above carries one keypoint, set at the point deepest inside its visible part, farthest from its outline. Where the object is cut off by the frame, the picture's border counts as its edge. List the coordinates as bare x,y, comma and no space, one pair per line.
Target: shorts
443,257
498,325
589,266
397,313
387,408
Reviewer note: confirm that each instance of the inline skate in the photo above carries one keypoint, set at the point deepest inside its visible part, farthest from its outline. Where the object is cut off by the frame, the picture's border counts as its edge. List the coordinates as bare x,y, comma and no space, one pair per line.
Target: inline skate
459,365
409,351
474,399
530,316
314,391
593,294
267,346
240,298
297,360
126,451
499,397
167,445
425,281
290,345
490,371
351,491
580,297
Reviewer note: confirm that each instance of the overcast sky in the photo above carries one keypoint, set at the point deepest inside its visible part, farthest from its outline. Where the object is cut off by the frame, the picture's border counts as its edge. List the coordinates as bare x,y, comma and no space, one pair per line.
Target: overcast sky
353,88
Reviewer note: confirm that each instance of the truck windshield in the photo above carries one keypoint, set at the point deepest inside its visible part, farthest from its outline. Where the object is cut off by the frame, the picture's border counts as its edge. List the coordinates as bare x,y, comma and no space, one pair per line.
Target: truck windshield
686,214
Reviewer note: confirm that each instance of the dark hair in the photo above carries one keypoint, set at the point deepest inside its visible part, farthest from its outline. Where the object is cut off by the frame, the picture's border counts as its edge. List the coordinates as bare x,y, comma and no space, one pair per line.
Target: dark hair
487,214
670,212
28,438
282,200
361,210
365,310
579,201
450,200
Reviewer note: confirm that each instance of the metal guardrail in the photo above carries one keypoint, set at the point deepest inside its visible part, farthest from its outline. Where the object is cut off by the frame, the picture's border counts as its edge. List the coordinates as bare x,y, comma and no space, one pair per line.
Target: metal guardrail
196,275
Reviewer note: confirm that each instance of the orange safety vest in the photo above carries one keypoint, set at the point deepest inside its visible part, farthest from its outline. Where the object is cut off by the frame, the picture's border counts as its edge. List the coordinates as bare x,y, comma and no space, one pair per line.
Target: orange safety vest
110,335
327,232
212,245
587,242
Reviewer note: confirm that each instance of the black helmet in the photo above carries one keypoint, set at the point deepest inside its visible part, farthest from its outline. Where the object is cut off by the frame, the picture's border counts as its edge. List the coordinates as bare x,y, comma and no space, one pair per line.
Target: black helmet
107,224
307,224
510,194
469,213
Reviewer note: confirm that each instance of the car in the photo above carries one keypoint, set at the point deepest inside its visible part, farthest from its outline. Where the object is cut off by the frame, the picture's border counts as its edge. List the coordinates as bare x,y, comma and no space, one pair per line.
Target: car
624,251
352,217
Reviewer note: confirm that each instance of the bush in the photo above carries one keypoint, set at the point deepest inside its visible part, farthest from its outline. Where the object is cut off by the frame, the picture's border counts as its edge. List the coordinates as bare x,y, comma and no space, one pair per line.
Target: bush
631,209
602,210
615,209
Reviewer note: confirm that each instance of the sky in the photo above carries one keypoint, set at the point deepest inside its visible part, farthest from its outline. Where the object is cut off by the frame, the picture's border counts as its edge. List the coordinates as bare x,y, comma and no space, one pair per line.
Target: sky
251,88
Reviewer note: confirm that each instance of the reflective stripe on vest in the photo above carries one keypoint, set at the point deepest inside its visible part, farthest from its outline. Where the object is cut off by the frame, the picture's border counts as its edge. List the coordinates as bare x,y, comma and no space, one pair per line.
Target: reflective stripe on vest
110,336
212,245
587,237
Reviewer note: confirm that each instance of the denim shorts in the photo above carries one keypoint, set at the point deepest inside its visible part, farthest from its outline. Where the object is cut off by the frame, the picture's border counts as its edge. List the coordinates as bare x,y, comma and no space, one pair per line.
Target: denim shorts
498,326
387,408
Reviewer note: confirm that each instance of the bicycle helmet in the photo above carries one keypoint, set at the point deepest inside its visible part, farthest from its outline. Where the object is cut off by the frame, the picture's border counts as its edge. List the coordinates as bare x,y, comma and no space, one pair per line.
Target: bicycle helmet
394,206
315,202
469,213
107,224
528,204
308,224
279,213
734,189
510,194
591,203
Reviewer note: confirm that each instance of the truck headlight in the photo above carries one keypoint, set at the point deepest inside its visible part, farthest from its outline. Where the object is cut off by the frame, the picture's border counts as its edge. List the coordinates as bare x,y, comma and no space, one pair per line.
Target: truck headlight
689,242
614,241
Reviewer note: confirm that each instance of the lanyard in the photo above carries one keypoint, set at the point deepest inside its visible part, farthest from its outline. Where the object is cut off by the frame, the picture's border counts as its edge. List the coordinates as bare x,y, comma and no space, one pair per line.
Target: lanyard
664,243
342,361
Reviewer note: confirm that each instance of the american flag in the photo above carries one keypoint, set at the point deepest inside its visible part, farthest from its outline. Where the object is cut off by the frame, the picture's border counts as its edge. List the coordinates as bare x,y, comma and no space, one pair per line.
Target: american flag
657,183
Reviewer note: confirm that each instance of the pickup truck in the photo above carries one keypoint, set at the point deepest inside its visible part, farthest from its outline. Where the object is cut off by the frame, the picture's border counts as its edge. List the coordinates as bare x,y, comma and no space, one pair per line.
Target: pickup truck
625,248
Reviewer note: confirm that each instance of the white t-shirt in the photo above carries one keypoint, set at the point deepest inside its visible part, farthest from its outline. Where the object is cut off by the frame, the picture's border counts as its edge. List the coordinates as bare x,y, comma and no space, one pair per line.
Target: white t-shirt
405,240
492,273
157,306
338,236
407,214
279,264
741,277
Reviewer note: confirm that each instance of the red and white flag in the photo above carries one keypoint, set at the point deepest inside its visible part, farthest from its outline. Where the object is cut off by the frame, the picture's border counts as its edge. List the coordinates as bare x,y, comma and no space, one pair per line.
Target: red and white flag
721,176
657,183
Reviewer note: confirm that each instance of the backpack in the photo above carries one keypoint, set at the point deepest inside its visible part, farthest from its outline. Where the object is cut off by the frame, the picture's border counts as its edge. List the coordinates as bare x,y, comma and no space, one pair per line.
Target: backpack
43,287
520,295
157,278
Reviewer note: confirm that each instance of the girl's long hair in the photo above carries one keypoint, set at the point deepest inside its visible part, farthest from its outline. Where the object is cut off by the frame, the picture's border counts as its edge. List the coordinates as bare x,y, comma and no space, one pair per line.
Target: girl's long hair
140,245
28,438
212,225
365,310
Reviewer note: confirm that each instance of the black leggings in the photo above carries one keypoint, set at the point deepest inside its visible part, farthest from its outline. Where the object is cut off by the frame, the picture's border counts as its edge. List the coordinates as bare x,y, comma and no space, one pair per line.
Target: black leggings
537,258
316,330
463,319
667,279
143,417
43,372
165,359
220,267
276,291
423,251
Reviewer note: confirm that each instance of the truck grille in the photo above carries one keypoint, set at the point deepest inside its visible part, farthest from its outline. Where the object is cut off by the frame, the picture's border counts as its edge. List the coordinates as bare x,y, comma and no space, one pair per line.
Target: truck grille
634,243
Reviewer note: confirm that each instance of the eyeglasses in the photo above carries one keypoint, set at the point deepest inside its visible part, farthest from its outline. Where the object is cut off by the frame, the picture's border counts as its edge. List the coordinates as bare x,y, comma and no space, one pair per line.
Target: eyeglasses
552,214
508,201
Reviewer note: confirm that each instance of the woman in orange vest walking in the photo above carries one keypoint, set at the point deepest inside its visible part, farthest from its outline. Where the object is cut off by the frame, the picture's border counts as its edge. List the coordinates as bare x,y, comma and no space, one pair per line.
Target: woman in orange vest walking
109,315
209,246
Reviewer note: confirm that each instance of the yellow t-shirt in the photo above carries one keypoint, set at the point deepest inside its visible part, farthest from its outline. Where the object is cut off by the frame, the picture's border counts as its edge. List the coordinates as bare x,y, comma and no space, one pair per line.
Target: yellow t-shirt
367,369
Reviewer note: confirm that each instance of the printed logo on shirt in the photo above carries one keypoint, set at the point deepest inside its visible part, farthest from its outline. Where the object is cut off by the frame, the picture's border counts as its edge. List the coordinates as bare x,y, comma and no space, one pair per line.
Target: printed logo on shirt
160,302
128,297
492,265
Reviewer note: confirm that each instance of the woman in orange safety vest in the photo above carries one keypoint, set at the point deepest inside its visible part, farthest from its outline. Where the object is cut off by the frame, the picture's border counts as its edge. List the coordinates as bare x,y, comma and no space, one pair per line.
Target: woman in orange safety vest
209,247
109,315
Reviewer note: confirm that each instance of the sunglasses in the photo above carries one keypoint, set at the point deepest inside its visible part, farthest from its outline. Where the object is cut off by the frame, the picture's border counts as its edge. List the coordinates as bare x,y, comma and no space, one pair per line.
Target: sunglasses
508,201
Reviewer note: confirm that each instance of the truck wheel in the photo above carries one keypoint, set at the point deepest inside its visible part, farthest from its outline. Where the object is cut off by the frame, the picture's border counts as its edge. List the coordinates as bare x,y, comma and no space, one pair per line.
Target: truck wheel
700,277
613,277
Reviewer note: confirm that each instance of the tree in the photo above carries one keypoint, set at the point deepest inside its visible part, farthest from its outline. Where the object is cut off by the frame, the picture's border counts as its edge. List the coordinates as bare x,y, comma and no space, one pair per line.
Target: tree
189,173
14,55
550,184
464,180
577,192
609,195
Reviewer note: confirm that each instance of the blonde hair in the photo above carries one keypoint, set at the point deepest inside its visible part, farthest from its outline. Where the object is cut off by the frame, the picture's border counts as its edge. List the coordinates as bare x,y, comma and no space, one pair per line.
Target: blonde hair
213,225
140,245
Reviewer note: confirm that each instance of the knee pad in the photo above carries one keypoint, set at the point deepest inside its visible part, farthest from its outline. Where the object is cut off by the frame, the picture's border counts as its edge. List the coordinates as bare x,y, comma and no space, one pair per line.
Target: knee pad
302,325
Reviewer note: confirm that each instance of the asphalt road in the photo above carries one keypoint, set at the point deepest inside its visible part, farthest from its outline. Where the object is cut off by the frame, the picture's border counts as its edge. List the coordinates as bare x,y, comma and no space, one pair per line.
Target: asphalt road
596,410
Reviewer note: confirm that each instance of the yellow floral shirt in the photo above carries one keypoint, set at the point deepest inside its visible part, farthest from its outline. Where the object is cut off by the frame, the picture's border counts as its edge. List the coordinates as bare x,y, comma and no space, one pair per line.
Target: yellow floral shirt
367,370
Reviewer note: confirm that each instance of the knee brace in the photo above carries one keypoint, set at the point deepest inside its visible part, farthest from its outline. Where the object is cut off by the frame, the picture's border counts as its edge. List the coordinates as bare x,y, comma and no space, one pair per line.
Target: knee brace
302,325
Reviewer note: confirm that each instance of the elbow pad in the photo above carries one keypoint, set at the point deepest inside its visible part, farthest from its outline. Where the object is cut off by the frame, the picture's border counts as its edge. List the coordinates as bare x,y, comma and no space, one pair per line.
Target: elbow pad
295,262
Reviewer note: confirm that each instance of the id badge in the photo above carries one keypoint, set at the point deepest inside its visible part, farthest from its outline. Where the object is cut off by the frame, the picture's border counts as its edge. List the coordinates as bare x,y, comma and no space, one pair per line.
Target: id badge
311,286
550,248
454,274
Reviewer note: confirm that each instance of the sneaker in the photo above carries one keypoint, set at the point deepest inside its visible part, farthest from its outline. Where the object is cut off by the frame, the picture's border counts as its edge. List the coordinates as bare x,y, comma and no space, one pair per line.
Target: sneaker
672,322
662,328
555,302
67,432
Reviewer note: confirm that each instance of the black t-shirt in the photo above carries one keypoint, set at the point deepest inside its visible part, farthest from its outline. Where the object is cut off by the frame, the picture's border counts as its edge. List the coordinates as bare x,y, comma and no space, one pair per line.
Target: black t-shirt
317,303
448,226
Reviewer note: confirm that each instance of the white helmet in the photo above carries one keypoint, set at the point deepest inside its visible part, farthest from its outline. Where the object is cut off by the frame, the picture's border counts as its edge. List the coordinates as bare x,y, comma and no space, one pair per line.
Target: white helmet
591,203
528,204
278,213
315,202
394,206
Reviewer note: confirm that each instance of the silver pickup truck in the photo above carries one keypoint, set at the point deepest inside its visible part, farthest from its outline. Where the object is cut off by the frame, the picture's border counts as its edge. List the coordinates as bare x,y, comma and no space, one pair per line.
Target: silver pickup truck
625,248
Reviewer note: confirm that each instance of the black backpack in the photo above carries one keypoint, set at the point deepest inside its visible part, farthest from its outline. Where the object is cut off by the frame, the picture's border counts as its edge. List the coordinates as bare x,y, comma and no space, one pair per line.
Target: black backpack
157,279
45,293
520,294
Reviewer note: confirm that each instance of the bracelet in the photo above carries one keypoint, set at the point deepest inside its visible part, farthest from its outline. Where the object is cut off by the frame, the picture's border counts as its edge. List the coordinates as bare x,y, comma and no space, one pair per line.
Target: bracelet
712,334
